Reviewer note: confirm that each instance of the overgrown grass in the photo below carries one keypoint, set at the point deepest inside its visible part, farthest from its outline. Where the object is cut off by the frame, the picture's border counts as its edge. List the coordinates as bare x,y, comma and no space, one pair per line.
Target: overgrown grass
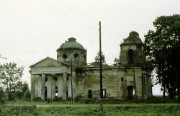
93,110
156,106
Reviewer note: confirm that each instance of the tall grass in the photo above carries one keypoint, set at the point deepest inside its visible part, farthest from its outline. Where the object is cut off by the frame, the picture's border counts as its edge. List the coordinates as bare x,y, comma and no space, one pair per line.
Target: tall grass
109,110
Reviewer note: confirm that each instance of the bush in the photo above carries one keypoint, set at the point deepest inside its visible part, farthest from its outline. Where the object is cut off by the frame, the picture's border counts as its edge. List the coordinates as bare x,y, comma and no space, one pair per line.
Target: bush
58,99
27,95
37,99
2,100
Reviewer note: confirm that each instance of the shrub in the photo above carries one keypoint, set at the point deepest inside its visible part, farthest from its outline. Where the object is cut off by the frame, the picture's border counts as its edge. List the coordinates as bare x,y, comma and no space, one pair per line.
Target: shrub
27,95
58,99
2,100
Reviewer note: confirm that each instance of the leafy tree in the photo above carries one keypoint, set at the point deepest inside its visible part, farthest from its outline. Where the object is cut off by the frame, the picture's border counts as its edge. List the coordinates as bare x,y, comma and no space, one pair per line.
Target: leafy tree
97,60
1,92
163,51
10,74
116,62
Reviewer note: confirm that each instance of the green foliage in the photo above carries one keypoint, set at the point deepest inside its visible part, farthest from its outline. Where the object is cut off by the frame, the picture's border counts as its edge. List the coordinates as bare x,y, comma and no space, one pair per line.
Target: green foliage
10,74
17,110
2,93
27,95
109,110
97,60
163,51
2,100
116,62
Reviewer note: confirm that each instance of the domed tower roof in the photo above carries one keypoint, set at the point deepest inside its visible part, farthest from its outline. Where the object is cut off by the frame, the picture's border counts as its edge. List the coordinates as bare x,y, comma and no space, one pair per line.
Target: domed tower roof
72,51
71,44
133,38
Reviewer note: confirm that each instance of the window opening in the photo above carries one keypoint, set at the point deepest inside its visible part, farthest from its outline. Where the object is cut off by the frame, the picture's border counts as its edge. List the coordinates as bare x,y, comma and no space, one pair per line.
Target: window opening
46,92
89,93
55,78
122,79
76,55
64,56
130,56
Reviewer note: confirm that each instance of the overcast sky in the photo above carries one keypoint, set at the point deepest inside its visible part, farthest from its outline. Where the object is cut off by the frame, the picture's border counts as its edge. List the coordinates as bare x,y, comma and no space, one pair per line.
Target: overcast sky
31,30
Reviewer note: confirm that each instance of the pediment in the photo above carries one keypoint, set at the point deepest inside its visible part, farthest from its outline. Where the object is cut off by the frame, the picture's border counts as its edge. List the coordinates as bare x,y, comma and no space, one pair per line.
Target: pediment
47,62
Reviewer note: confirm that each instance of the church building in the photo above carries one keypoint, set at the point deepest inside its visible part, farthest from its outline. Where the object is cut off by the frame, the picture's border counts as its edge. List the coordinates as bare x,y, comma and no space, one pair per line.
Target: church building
69,76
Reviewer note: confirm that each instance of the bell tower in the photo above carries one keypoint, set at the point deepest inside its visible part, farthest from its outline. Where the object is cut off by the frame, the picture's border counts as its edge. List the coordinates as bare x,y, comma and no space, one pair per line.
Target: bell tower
132,50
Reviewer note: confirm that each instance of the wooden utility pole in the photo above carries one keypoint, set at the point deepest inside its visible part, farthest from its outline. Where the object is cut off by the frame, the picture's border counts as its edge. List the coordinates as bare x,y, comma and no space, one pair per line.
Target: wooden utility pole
100,70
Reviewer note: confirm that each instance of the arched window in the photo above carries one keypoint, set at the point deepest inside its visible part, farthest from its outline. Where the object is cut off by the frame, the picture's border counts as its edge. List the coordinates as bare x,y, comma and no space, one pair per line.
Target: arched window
64,55
76,55
130,56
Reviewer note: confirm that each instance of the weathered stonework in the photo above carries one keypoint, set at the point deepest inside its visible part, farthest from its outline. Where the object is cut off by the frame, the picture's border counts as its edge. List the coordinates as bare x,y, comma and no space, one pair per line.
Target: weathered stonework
69,76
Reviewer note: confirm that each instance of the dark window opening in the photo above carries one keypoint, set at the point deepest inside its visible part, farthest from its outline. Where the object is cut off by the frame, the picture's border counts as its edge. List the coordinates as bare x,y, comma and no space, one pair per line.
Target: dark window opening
104,93
84,56
46,92
130,92
46,79
76,55
64,56
66,91
122,79
79,71
55,78
89,93
130,56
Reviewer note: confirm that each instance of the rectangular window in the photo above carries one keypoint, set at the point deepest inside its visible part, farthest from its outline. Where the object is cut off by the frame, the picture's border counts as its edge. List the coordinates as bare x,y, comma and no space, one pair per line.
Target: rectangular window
89,93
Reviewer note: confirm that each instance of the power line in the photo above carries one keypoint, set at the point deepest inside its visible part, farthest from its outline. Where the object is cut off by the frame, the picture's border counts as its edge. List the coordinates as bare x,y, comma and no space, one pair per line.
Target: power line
76,12
59,11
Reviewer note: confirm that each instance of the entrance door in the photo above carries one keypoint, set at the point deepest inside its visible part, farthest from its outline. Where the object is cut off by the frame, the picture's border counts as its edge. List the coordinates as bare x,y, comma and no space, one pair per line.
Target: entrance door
130,92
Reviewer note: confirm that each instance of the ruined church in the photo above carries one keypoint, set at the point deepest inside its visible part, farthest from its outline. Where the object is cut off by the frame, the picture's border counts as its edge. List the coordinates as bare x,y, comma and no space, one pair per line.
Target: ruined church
69,76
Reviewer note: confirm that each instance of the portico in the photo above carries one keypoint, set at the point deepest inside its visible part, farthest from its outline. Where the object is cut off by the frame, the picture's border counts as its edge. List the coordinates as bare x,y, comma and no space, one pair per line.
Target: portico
48,83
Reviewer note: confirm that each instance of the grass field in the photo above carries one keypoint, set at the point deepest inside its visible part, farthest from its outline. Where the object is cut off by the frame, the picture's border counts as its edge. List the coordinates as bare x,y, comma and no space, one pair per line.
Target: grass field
55,109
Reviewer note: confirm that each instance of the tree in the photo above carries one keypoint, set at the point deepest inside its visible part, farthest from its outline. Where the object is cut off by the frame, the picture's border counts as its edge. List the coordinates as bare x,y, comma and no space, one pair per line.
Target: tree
97,60
162,48
22,90
10,74
116,62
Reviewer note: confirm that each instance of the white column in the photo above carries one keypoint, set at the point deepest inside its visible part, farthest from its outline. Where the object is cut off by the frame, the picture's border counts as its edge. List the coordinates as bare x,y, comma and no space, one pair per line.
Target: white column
32,87
60,84
64,86
39,86
43,87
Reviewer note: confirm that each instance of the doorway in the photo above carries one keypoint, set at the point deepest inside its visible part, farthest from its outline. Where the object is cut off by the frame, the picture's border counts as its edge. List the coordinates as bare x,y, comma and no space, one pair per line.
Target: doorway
130,92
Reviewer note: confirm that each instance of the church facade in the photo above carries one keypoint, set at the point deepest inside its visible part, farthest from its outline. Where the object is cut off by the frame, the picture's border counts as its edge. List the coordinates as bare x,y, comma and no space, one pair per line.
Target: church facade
70,77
